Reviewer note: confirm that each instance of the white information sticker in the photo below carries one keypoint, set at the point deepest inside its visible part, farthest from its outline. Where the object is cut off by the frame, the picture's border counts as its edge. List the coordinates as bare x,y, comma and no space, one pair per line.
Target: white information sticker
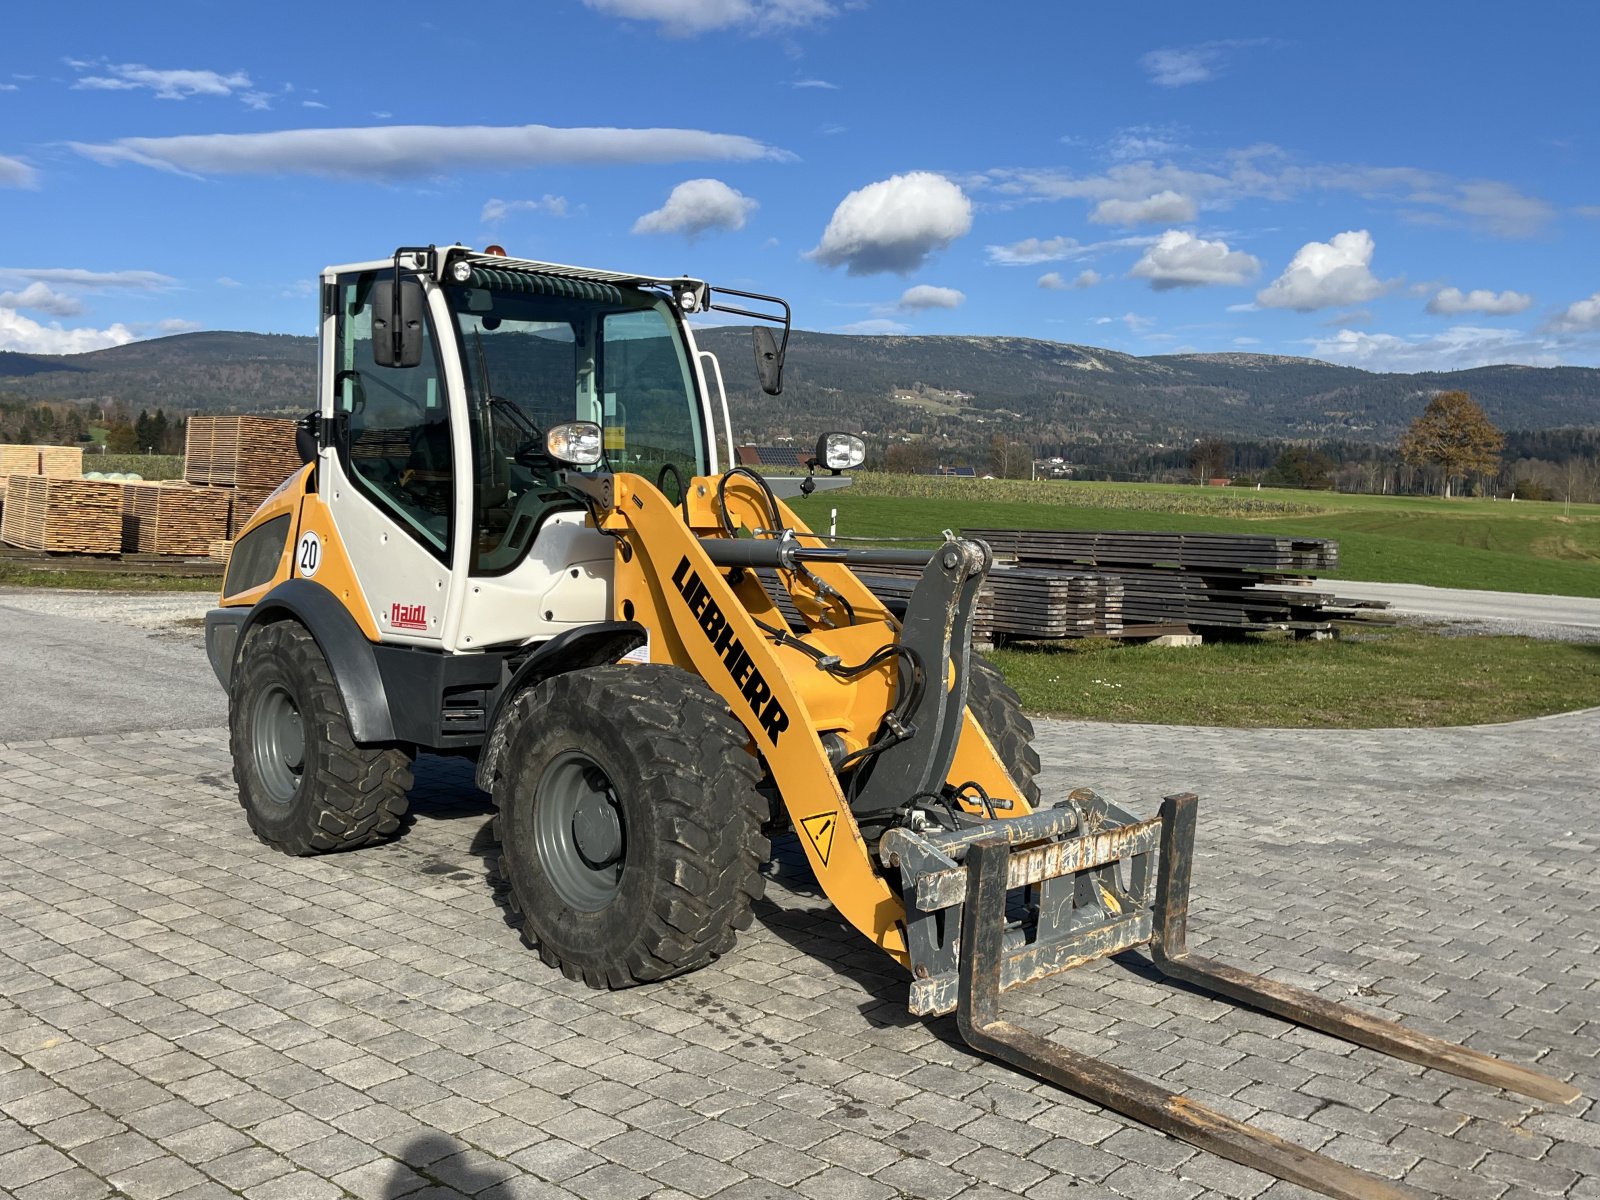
308,554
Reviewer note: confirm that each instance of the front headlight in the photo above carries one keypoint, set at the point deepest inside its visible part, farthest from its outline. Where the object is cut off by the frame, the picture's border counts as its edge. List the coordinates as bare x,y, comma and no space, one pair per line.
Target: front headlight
576,443
840,451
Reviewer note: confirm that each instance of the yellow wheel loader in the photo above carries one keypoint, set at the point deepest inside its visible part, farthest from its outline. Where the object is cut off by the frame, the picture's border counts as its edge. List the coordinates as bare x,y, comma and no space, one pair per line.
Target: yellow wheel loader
520,535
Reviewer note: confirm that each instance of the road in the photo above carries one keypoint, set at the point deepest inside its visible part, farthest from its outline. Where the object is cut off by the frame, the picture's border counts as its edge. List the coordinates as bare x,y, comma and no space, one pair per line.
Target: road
82,663
1574,618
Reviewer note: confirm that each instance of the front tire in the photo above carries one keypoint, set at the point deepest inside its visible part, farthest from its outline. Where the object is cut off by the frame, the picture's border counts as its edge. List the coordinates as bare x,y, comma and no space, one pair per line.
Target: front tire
997,708
629,823
305,786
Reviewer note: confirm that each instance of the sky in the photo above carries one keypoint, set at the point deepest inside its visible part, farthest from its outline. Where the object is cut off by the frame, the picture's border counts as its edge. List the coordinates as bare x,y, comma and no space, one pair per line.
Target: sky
1399,187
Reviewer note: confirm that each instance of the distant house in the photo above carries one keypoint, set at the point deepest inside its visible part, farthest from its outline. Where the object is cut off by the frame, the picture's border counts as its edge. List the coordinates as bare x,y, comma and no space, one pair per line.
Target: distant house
959,472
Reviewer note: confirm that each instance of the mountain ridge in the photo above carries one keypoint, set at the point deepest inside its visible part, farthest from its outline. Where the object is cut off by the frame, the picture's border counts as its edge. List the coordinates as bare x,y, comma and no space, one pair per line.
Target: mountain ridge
900,385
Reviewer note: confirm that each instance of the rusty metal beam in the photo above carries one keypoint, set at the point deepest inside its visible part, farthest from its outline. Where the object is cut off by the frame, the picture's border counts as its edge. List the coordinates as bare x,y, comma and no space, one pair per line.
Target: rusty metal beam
978,1015
1169,948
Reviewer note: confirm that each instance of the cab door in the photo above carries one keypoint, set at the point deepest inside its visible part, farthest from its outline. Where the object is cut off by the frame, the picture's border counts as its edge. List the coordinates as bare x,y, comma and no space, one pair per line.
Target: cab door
391,487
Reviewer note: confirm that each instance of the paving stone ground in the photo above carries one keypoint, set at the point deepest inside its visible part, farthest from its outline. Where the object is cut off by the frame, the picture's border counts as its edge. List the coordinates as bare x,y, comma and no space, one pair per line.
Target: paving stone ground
186,1013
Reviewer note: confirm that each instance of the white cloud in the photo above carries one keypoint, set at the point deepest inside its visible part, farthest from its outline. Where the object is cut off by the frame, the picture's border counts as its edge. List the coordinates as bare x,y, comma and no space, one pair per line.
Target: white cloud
878,325
1180,259
16,173
685,18
496,210
815,83
1134,322
1032,251
167,85
1326,275
9,87
1581,316
26,336
40,297
312,104
696,206
1053,282
1265,172
173,325
894,225
1142,141
93,280
1456,349
1450,302
1179,66
1164,208
925,296
408,151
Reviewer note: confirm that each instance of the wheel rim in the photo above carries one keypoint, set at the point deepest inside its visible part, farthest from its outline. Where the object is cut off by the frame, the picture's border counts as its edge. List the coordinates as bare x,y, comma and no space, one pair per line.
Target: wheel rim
579,832
278,744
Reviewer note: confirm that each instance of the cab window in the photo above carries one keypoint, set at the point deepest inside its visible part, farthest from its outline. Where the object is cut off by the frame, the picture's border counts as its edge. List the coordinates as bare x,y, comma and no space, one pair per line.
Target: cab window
397,443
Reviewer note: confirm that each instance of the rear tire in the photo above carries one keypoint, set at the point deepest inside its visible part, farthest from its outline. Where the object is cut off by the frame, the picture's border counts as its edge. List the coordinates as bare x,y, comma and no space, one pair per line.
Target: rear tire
629,823
997,708
305,786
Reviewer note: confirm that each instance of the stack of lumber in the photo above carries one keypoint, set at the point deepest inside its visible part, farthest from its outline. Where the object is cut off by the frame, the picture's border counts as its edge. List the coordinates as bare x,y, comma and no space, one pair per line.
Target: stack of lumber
249,455
1230,552
1022,603
1196,580
253,454
57,462
72,515
174,518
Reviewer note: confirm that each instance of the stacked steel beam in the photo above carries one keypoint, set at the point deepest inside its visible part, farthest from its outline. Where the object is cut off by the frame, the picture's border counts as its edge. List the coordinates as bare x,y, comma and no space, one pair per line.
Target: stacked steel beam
1202,581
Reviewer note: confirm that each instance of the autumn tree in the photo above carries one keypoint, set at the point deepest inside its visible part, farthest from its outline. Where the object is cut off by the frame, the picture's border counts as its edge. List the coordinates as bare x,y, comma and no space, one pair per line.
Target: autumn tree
1209,458
1009,458
1454,435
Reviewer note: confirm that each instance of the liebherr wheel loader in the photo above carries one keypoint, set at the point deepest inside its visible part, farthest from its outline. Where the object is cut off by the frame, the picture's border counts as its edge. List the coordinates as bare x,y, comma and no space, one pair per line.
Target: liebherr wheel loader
520,535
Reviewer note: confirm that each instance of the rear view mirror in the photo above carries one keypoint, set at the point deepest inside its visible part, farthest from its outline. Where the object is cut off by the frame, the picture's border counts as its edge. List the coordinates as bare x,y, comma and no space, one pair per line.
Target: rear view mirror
397,323
769,362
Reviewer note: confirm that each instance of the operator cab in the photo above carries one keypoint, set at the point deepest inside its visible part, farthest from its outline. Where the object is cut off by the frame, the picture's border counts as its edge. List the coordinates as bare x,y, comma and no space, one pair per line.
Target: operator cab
438,395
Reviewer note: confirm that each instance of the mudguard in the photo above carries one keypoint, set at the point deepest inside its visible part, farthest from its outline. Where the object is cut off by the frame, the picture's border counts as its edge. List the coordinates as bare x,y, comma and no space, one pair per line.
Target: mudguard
350,656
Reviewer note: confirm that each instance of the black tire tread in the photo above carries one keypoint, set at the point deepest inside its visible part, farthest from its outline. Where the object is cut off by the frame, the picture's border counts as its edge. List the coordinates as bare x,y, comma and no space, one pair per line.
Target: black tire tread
707,811
997,708
360,792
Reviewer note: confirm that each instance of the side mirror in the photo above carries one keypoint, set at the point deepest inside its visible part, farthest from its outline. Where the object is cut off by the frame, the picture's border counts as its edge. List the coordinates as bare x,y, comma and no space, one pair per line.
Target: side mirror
397,323
305,436
769,362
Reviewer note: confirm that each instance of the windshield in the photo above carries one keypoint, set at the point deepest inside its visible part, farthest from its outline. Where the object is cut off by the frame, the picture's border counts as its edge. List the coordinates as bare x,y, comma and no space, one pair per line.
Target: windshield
533,361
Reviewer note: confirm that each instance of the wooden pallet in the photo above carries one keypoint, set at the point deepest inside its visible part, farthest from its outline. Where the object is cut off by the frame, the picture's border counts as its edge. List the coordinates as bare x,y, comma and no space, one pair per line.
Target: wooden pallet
252,453
58,462
75,515
174,519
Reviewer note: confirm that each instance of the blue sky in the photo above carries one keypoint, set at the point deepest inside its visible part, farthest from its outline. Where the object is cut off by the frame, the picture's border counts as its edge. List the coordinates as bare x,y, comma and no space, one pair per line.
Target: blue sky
1400,187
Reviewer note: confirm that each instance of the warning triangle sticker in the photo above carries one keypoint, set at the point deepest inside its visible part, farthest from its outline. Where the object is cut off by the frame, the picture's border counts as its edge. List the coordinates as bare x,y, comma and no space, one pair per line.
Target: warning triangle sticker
820,830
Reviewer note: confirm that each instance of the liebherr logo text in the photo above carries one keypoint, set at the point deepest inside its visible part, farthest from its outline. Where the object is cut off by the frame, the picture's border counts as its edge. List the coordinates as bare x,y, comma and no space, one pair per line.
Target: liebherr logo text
708,614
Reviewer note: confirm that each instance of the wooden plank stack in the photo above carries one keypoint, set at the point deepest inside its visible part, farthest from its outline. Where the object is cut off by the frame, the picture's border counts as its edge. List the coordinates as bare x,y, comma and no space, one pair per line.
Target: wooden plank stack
1230,552
174,518
57,462
249,455
74,515
1202,581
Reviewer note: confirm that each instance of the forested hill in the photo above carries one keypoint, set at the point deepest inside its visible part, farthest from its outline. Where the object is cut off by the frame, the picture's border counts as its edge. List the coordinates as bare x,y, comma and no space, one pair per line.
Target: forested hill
950,386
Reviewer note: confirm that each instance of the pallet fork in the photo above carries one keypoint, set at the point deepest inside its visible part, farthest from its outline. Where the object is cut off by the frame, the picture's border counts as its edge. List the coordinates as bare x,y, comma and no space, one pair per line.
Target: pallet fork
1081,910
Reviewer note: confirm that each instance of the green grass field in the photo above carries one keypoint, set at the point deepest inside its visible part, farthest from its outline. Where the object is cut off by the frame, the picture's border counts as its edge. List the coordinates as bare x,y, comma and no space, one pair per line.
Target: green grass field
1402,677
1500,545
